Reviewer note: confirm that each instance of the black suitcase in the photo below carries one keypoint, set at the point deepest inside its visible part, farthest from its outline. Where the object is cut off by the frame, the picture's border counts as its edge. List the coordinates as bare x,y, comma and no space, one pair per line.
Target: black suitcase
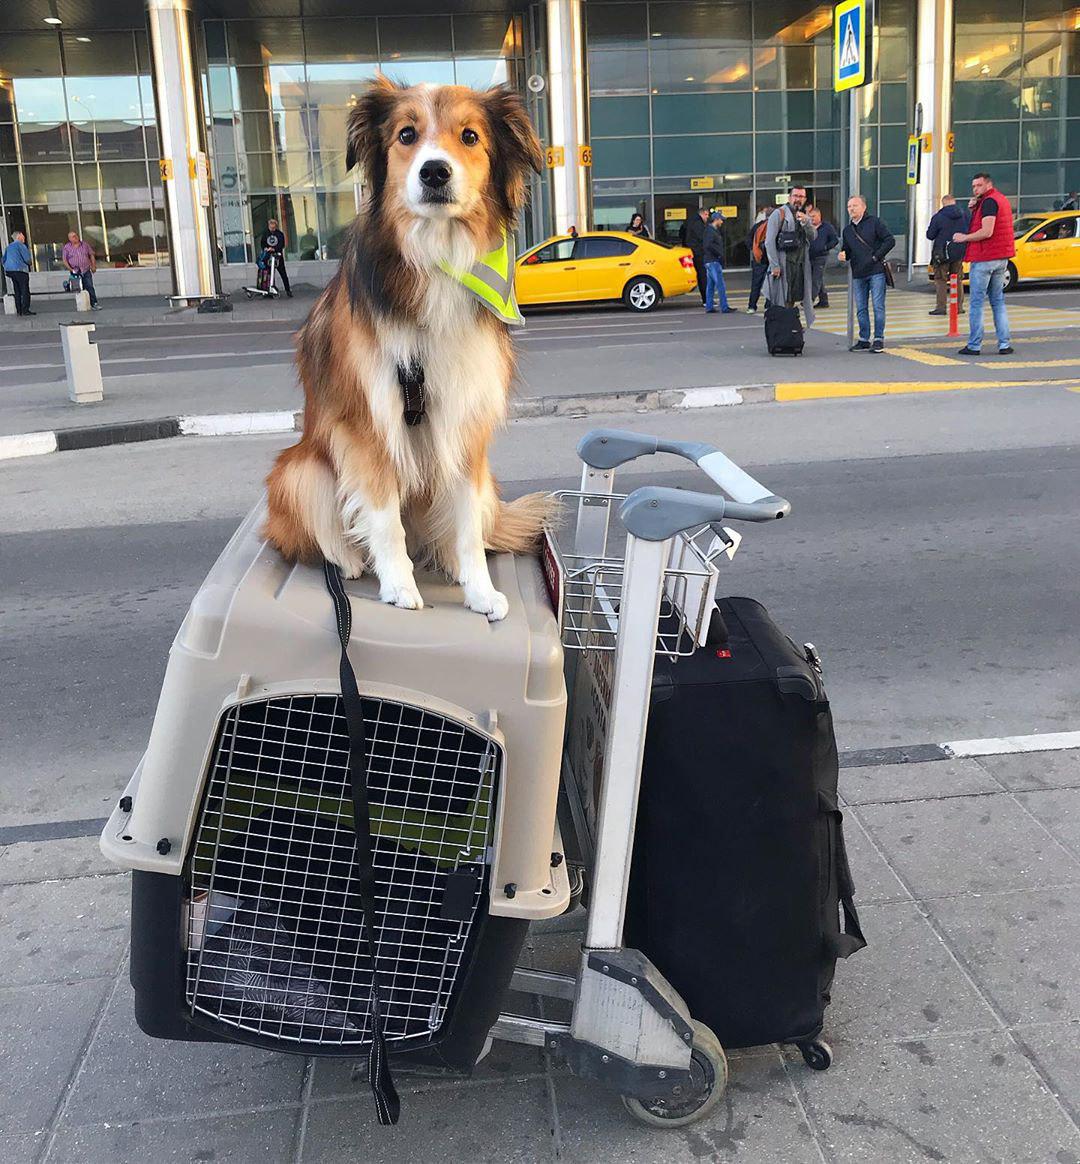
739,873
783,330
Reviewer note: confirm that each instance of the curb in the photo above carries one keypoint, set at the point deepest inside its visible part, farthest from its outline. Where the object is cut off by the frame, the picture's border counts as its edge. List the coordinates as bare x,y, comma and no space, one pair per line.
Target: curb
32,444
56,830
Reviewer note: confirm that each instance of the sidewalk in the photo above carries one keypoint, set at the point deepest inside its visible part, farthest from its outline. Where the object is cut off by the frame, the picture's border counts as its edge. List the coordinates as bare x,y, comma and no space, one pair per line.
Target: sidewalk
955,1033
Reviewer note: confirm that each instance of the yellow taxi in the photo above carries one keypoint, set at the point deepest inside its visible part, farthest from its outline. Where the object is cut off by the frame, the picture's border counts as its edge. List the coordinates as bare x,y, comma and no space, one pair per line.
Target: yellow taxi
603,265
1047,247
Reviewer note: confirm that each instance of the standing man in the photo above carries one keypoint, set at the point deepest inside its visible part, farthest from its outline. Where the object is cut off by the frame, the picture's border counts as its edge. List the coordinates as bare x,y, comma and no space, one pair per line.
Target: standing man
16,262
990,247
947,257
273,240
713,251
787,244
759,260
866,243
826,240
693,236
79,258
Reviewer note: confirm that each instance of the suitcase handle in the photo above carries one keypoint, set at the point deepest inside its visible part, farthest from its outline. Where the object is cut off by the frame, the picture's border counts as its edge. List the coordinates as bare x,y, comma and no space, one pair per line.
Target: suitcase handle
607,448
655,513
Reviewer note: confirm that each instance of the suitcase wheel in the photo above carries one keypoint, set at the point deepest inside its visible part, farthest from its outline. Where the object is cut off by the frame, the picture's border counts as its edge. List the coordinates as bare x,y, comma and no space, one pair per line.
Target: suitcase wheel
817,1054
709,1071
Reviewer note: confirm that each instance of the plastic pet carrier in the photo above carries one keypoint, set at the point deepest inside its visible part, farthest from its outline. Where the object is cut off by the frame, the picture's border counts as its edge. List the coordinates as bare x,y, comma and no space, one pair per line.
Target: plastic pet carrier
238,824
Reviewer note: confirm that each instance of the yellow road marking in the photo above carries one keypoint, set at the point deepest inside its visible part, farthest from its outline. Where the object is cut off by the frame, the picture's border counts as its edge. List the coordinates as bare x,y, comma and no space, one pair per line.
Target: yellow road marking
921,357
822,390
1025,363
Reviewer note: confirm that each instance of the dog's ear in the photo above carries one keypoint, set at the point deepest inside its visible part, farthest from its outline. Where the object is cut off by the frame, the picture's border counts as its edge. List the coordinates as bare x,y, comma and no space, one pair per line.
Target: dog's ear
365,145
516,148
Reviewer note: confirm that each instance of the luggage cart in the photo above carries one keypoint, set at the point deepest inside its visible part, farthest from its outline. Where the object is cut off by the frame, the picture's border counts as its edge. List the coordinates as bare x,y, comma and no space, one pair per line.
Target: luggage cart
624,592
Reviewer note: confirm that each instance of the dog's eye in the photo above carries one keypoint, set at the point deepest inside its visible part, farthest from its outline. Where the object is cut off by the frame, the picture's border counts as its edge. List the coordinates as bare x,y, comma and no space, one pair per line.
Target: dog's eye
407,136
470,137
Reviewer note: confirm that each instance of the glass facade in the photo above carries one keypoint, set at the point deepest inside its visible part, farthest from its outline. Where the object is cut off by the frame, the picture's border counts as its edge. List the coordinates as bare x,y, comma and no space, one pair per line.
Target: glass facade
78,145
1016,98
278,97
720,103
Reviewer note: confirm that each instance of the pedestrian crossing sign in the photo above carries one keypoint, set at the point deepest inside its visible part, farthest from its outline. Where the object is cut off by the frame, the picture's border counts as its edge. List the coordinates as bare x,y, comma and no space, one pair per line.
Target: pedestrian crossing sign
851,44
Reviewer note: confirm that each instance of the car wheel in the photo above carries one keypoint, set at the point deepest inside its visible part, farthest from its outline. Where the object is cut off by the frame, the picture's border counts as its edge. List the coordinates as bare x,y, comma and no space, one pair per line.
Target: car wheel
642,294
1012,280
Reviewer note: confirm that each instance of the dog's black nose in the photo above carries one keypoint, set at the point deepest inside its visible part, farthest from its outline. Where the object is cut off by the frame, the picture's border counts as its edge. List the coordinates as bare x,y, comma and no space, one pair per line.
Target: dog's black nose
435,174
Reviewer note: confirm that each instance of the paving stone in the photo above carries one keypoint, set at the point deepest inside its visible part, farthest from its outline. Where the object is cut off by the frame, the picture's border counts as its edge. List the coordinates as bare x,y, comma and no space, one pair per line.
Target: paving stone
904,985
57,931
51,860
21,1149
1020,948
128,1074
875,882
960,1099
973,844
1059,810
497,1124
1035,769
1056,1049
42,1034
266,1136
347,1078
927,781
757,1121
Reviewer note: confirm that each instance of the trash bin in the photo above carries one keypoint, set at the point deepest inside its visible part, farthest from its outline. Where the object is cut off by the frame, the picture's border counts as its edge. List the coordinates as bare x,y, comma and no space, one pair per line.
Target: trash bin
238,822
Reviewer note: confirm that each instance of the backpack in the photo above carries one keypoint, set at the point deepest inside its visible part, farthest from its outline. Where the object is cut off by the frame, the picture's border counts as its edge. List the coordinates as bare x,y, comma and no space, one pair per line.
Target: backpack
757,246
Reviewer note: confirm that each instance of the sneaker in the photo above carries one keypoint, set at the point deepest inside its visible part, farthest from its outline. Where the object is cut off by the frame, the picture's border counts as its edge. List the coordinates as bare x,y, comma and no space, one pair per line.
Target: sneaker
878,345
751,311
937,311
968,351
729,310
1006,351
95,306
288,294
710,310
821,304
860,346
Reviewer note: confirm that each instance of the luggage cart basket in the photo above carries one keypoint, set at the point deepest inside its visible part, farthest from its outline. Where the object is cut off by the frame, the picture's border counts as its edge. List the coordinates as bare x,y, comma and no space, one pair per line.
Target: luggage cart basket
625,592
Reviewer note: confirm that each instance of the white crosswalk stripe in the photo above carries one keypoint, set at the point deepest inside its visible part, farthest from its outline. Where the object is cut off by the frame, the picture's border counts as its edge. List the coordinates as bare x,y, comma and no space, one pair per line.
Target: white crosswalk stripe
906,317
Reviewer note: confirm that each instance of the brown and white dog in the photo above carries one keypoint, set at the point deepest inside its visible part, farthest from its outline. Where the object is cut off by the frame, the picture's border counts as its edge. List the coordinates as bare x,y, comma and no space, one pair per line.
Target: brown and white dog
446,168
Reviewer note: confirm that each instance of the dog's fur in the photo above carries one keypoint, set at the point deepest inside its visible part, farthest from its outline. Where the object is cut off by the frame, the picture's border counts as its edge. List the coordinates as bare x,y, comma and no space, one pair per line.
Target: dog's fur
361,488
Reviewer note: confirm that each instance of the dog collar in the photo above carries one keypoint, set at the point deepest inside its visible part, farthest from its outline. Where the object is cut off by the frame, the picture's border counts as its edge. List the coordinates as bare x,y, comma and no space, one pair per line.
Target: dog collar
491,280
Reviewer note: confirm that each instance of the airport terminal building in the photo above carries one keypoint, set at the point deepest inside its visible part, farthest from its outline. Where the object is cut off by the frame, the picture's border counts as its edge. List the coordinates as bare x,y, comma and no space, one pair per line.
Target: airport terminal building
167,132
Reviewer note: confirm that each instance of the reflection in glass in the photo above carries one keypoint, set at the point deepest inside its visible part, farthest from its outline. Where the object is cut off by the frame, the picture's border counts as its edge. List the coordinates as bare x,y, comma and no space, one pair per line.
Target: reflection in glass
39,99
689,70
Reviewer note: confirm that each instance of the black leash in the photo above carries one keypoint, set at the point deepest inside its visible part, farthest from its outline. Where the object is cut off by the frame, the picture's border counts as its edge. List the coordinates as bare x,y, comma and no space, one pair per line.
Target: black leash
387,1104
411,379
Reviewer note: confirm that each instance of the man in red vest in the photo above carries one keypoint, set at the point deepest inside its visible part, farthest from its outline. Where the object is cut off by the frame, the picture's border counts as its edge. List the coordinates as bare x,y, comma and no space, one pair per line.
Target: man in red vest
990,246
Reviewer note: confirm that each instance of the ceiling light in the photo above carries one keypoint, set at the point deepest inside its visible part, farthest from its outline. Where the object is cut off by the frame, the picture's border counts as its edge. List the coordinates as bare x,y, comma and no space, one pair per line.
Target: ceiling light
83,39
657,34
688,78
53,20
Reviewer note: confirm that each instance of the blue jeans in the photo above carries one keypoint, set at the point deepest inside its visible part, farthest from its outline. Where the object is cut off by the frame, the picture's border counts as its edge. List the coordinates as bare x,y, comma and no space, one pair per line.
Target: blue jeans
88,285
987,281
872,288
714,281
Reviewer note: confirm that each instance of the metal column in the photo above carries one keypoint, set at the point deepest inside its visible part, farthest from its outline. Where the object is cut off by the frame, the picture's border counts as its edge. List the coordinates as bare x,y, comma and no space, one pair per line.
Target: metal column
567,104
184,165
933,90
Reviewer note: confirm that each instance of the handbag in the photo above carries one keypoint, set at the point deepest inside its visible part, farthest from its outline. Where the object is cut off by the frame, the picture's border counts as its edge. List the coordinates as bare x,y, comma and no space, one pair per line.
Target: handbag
789,238
890,280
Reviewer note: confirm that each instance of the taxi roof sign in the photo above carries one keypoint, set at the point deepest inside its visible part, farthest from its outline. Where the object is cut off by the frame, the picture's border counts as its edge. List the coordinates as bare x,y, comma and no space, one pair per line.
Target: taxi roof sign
852,38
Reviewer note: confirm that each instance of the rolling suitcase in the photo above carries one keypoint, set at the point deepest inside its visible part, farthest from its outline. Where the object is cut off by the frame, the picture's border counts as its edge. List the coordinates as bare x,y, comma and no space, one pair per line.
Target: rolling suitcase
783,330
739,875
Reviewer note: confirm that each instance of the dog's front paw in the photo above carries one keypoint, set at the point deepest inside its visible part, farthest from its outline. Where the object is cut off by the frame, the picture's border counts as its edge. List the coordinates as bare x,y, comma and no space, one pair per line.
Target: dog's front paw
406,596
489,602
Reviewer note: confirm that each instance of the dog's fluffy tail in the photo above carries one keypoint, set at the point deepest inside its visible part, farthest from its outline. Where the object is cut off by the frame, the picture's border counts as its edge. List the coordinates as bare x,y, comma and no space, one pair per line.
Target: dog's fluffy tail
519,523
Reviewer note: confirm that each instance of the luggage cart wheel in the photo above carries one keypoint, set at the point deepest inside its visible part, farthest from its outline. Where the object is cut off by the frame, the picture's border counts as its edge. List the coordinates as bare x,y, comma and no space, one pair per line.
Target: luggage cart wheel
817,1054
709,1070
248,293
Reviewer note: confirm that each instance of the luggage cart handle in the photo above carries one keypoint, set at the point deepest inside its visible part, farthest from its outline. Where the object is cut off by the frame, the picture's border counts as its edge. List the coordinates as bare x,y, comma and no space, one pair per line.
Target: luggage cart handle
606,448
655,512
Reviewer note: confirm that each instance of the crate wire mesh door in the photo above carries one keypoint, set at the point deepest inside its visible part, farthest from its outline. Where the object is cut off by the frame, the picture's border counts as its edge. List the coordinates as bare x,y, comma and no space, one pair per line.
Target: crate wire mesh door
273,907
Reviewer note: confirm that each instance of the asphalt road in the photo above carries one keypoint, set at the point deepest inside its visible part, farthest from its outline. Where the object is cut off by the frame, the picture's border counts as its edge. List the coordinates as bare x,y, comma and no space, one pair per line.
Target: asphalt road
668,333
932,555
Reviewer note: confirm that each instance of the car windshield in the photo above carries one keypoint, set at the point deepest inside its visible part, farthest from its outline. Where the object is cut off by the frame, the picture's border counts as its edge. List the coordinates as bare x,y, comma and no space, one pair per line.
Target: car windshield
1028,222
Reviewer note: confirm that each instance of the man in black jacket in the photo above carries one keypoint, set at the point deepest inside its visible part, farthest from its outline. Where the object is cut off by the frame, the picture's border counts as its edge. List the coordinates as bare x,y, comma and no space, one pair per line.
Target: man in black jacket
273,240
947,257
713,250
693,236
866,242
